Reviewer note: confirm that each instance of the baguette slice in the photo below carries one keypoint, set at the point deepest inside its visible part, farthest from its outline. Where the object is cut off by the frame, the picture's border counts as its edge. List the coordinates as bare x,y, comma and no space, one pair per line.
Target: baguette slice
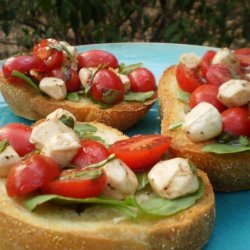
26,102
56,228
228,172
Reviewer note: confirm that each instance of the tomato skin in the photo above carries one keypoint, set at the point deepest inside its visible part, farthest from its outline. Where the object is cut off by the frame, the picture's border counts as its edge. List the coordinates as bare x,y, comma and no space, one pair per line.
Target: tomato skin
18,137
243,55
31,174
23,64
94,58
142,80
188,79
206,93
52,57
105,80
236,121
141,152
206,61
76,188
90,152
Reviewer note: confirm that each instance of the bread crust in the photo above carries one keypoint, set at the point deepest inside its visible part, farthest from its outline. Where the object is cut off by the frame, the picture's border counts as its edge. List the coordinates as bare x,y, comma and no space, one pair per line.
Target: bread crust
25,102
58,229
227,173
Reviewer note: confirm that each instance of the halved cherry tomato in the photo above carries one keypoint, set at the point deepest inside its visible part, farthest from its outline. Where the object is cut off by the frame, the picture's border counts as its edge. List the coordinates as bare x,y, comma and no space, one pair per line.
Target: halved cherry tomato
18,136
243,56
236,121
23,64
142,80
74,183
90,152
94,58
47,51
206,93
188,79
141,152
31,174
107,87
206,61
70,77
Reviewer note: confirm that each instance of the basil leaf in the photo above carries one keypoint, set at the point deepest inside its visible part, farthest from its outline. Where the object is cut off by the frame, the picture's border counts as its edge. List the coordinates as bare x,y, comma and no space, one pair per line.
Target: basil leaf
94,138
3,144
158,206
183,96
73,97
174,126
244,141
67,120
56,46
83,129
102,163
142,180
125,70
111,96
233,73
138,96
224,148
17,73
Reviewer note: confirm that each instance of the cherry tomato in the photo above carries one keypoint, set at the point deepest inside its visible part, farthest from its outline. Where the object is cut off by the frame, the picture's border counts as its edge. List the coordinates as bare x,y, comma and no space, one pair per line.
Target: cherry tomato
23,64
188,79
18,137
107,87
94,58
236,121
141,152
206,93
31,174
46,50
90,152
83,183
243,56
70,77
142,80
206,61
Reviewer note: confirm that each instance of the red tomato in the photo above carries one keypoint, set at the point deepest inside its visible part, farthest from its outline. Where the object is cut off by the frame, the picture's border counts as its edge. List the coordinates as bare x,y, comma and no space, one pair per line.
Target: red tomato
31,174
90,152
23,64
243,56
142,80
188,79
236,121
70,77
18,137
77,183
206,93
46,50
141,152
107,87
206,61
94,58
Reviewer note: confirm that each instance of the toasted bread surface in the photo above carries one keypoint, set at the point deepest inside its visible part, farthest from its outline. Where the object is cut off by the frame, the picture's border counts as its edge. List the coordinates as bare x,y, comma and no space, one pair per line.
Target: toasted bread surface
26,102
227,172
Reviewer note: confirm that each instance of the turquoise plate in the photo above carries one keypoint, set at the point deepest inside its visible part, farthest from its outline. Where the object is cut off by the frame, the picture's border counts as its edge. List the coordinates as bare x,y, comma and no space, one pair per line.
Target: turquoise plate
232,225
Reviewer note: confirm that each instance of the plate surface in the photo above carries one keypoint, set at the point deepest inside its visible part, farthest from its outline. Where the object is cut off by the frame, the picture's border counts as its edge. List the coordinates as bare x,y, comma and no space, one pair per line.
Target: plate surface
232,225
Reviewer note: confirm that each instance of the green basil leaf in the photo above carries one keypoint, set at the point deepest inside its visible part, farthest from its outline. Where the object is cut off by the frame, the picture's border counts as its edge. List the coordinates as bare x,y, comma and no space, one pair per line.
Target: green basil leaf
142,180
94,138
244,141
183,96
224,148
67,120
56,46
17,73
233,73
83,174
111,96
174,126
138,96
125,70
102,163
3,144
158,206
73,97
83,129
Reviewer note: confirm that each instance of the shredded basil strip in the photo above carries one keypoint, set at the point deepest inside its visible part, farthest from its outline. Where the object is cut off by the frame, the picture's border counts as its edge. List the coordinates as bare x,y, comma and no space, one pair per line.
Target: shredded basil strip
17,73
125,70
218,148
73,97
183,96
83,129
138,96
142,180
3,144
111,96
67,120
174,126
233,73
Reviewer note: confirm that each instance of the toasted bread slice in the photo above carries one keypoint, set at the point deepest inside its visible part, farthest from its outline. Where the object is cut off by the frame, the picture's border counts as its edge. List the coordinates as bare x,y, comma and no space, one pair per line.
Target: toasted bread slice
230,172
55,228
26,102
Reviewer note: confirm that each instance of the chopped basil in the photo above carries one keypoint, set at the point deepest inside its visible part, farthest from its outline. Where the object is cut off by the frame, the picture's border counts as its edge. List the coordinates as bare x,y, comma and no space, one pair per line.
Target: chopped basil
73,97
244,141
138,96
142,180
174,126
183,96
84,174
233,73
67,120
17,73
83,129
110,96
218,148
94,138
125,70
3,144
56,46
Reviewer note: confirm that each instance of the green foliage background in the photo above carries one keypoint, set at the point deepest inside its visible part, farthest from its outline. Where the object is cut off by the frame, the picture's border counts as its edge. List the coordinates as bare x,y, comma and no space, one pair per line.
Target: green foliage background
213,22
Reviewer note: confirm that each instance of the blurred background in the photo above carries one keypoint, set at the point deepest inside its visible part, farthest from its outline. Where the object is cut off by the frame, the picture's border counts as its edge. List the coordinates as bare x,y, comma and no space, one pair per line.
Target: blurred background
211,23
